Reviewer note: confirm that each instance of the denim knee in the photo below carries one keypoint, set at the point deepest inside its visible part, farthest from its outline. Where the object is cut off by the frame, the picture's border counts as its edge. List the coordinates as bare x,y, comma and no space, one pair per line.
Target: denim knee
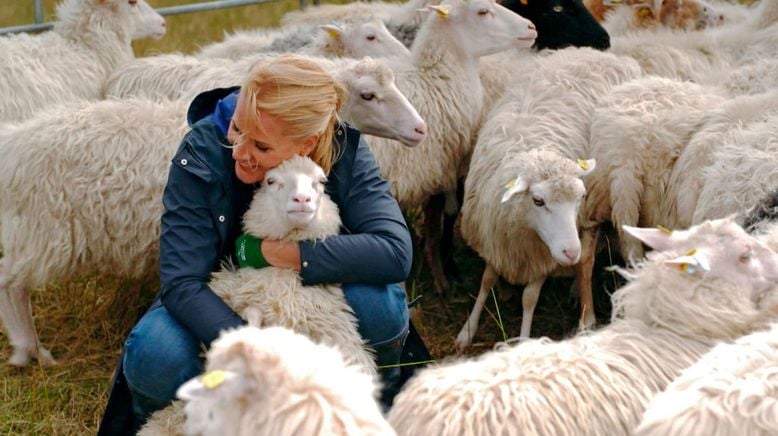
381,311
159,356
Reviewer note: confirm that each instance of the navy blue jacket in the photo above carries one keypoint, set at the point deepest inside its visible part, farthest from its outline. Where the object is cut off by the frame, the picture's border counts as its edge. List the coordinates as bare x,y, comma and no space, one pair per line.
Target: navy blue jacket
204,203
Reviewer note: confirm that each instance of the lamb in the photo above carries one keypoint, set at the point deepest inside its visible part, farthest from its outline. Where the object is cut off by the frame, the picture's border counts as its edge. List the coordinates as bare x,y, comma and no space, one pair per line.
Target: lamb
104,165
353,38
547,110
733,389
673,311
273,381
91,38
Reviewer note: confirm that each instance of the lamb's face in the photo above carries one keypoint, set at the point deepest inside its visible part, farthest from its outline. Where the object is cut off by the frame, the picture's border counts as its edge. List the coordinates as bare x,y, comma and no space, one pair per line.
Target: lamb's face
377,107
372,39
483,27
145,21
297,193
718,249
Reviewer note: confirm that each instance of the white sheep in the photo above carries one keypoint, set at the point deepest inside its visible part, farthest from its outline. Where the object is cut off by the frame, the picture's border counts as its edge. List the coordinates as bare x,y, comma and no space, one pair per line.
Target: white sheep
548,109
273,381
596,383
407,12
90,39
637,132
441,81
104,165
733,389
620,17
352,38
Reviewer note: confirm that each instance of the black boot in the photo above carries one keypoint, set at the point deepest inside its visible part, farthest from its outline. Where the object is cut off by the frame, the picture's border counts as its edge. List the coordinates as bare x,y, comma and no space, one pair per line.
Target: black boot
388,359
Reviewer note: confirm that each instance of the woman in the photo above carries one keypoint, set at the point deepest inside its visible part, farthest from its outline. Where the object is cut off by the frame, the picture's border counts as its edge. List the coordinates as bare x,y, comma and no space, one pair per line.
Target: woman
287,107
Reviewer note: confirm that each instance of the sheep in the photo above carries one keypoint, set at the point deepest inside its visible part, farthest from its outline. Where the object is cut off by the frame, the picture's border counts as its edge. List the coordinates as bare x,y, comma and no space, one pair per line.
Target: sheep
441,80
637,131
733,389
90,39
104,165
673,311
290,205
621,17
549,110
407,12
273,381
353,38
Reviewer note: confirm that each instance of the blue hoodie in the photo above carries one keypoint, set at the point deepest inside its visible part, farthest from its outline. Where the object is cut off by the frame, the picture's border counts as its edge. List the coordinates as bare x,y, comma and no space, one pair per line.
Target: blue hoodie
204,202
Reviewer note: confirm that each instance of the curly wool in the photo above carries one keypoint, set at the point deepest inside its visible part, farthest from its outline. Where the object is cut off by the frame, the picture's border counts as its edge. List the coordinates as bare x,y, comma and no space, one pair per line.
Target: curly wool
733,389
66,64
594,383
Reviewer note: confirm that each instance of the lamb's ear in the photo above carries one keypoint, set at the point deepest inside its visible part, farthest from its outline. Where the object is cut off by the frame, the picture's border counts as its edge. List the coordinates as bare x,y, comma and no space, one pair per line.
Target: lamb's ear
215,384
442,10
587,166
334,31
519,184
659,239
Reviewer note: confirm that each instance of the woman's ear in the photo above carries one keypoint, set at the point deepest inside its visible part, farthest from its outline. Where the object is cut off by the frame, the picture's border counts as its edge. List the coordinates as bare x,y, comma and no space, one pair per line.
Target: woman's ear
309,144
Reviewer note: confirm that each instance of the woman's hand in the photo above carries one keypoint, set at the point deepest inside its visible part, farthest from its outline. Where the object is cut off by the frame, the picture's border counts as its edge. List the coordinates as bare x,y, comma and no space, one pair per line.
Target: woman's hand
283,254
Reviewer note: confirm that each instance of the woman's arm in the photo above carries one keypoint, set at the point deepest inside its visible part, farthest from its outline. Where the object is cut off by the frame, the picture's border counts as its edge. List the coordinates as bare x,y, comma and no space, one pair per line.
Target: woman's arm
378,250
189,251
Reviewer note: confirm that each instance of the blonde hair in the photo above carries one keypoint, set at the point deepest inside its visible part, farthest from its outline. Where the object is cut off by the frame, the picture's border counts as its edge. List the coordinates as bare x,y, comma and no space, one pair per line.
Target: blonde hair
301,94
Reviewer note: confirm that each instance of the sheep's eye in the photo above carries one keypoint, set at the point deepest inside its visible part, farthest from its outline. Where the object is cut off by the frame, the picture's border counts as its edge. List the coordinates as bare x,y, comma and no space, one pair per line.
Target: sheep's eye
371,37
557,8
270,181
367,96
744,258
133,2
483,12
538,201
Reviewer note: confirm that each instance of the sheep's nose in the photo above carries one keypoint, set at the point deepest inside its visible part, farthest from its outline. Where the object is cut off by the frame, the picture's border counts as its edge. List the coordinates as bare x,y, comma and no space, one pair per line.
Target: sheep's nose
531,26
421,129
164,23
571,255
301,198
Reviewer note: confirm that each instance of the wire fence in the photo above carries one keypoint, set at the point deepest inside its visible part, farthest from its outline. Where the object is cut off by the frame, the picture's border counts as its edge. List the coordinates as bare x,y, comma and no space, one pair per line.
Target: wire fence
172,10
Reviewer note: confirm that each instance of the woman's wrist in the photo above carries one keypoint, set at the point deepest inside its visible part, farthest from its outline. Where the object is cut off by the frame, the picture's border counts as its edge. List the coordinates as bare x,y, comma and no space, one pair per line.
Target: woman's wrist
281,254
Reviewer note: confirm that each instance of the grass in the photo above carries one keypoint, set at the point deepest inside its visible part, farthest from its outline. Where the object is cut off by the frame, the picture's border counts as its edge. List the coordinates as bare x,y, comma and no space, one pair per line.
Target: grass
84,321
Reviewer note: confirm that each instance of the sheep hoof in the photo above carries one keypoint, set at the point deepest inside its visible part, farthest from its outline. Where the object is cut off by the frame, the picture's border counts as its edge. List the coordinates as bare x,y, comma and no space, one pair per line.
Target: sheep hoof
463,340
45,358
20,357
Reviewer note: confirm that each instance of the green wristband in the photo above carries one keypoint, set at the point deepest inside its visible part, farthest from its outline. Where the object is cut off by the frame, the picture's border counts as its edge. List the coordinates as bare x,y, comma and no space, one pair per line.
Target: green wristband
248,251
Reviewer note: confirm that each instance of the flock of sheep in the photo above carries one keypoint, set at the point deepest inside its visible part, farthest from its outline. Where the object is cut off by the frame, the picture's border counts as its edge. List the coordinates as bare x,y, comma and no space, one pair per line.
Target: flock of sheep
664,114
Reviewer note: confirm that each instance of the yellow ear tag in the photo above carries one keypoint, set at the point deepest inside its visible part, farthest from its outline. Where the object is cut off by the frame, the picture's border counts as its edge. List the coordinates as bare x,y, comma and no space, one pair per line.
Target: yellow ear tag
644,12
333,33
685,267
213,379
665,230
442,11
524,2
692,252
512,183
583,164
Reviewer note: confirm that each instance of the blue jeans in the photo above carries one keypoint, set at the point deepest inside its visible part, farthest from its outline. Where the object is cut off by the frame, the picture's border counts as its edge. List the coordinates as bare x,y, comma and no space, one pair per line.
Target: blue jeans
160,354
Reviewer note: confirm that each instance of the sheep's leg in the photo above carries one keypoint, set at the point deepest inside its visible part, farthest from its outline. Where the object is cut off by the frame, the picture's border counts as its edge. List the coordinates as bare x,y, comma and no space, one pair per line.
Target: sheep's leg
432,222
450,214
626,190
16,315
465,336
583,276
529,299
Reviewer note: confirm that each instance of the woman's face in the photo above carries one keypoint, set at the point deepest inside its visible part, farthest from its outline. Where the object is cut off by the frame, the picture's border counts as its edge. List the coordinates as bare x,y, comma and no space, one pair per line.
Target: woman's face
264,147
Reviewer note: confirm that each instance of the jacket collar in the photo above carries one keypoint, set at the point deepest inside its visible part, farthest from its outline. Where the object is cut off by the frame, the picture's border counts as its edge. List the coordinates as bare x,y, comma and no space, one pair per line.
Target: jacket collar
219,104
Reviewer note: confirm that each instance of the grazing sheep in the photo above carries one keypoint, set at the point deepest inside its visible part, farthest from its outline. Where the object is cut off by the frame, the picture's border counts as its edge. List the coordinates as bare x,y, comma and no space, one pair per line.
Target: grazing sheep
353,38
104,165
596,383
273,381
90,39
733,389
548,109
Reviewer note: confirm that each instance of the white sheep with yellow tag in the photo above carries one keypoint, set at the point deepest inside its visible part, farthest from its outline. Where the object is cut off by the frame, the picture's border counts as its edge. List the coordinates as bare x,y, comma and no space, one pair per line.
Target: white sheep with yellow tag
599,383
